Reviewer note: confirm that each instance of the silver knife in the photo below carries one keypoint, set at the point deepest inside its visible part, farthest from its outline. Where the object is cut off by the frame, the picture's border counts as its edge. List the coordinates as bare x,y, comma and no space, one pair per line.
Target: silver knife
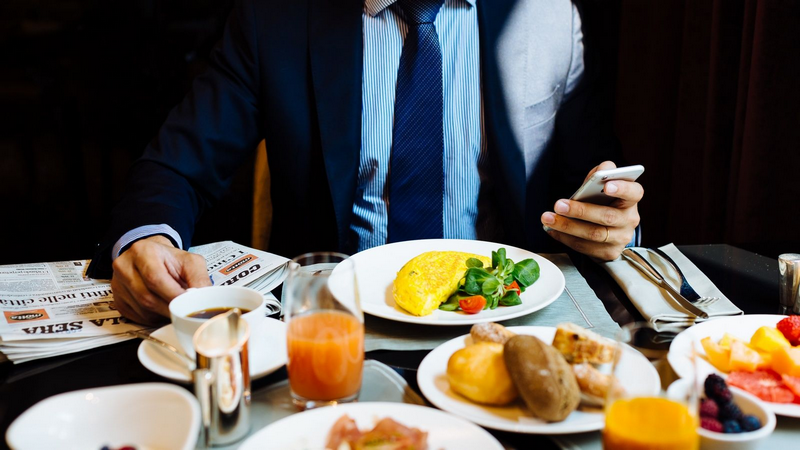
644,266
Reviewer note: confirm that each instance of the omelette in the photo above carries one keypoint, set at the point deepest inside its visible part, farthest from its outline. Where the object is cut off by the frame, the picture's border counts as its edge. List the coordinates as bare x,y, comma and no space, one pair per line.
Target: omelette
429,279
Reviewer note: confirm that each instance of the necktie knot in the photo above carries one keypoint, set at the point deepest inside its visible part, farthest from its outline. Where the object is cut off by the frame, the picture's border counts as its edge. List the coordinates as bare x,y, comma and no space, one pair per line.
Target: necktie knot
418,12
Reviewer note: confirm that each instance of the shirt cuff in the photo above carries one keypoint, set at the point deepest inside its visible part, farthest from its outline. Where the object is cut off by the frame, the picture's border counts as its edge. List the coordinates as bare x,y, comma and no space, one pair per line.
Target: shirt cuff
636,241
142,232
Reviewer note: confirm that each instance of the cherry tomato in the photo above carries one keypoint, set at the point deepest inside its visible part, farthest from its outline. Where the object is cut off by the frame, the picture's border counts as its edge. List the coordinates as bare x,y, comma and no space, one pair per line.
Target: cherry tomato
472,305
513,286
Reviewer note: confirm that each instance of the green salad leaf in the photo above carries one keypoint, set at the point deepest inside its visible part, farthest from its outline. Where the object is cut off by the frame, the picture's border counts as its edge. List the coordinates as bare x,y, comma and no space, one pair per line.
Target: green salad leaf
474,262
451,304
494,282
526,272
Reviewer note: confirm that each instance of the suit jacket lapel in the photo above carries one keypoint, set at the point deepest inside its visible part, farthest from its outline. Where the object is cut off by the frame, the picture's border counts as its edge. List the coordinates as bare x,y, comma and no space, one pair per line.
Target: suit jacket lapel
506,154
336,54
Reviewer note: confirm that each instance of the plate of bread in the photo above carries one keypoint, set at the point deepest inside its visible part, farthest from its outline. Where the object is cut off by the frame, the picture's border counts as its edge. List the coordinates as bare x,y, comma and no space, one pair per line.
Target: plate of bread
413,281
535,380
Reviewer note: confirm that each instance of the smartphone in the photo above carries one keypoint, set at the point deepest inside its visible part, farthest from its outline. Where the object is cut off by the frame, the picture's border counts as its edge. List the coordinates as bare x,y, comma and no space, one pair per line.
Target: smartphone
592,191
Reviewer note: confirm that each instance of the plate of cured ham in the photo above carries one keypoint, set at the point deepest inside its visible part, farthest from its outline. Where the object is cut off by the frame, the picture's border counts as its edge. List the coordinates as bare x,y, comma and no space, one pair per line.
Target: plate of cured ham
350,425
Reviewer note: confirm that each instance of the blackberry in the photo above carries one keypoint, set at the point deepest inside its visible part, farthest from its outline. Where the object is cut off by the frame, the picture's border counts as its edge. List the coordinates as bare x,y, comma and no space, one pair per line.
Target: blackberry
716,389
731,426
711,424
730,411
709,408
749,423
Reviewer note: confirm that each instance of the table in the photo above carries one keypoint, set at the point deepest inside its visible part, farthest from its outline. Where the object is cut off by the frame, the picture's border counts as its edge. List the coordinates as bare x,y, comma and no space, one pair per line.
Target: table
748,279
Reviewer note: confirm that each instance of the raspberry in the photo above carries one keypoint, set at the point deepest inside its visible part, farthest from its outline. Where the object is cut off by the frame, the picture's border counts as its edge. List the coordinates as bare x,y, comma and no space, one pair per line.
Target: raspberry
790,327
731,426
711,424
730,411
709,408
750,423
717,390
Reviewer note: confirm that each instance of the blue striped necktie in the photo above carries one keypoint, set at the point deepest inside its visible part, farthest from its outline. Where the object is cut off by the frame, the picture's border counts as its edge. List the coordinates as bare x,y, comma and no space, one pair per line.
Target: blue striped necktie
416,170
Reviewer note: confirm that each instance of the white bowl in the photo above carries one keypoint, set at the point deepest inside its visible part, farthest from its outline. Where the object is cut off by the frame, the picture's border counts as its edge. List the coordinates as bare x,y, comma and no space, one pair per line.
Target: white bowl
147,416
749,404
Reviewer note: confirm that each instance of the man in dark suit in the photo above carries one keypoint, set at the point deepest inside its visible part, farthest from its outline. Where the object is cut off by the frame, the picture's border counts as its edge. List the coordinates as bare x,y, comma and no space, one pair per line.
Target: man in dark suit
384,120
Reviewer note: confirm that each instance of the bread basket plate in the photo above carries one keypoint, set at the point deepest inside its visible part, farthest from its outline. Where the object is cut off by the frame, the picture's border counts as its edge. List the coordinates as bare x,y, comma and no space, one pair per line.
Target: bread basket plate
741,327
377,268
639,377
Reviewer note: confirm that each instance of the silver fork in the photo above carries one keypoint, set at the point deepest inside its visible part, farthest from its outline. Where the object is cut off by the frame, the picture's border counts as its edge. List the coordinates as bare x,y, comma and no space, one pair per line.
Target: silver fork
686,289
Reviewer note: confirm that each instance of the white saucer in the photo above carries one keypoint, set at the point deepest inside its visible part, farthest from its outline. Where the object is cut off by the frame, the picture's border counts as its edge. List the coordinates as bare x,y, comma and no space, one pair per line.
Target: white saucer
267,352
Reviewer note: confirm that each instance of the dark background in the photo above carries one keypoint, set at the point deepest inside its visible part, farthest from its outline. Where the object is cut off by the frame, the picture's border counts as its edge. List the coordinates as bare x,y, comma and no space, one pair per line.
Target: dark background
704,93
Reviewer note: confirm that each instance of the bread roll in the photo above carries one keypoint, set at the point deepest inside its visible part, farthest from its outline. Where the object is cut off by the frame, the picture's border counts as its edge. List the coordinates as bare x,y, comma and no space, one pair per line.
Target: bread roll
579,345
490,332
543,378
479,373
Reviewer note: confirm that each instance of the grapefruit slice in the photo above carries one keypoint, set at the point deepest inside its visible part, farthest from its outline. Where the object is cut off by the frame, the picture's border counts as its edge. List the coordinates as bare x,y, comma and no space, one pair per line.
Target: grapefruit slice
793,383
764,384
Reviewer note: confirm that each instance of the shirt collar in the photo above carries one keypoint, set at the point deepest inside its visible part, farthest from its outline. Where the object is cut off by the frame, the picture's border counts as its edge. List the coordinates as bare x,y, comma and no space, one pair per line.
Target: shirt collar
375,7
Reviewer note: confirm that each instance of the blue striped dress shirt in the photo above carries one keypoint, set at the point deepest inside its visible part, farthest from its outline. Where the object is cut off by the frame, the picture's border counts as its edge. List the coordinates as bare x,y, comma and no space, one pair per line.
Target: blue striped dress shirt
464,147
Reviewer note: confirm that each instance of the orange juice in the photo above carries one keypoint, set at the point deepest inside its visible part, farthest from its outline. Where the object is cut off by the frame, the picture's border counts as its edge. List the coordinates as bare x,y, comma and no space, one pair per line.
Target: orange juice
650,423
326,355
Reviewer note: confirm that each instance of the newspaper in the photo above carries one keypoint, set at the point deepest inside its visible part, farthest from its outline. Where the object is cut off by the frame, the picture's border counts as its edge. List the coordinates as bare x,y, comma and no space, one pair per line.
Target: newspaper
51,309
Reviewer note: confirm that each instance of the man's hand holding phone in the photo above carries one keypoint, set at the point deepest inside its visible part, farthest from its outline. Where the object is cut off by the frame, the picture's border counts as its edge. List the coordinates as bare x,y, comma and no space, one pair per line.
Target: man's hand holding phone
593,229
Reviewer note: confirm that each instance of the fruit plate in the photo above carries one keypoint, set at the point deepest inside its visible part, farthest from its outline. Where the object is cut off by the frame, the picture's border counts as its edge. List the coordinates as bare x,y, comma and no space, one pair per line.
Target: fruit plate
377,268
640,378
309,429
742,327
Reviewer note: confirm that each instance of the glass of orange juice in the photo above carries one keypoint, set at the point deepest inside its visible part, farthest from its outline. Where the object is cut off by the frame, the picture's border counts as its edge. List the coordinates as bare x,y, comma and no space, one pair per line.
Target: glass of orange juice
638,420
325,330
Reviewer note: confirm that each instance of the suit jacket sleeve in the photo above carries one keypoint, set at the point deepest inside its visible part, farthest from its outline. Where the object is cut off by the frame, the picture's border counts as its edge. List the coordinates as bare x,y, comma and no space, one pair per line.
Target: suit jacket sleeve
196,152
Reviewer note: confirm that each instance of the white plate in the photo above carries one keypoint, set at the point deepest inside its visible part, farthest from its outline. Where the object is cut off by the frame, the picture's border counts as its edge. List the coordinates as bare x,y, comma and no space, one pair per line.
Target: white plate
640,378
267,352
309,429
145,415
377,268
742,327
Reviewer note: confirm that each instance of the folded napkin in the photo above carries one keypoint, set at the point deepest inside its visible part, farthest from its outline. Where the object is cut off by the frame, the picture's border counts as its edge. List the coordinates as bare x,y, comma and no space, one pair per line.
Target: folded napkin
656,304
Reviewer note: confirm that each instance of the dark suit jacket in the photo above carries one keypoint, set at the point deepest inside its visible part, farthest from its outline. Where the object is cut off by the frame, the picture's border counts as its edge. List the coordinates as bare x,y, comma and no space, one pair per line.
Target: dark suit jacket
290,72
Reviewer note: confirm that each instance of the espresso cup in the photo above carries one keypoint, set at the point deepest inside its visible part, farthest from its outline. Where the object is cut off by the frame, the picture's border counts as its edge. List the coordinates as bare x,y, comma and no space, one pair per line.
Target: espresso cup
196,300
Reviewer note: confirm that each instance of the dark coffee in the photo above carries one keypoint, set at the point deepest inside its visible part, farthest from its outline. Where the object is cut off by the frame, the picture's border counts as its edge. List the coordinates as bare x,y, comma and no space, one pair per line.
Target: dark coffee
211,312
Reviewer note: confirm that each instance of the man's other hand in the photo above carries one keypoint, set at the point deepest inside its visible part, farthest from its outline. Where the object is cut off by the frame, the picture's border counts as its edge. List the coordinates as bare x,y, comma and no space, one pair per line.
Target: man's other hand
598,231
150,274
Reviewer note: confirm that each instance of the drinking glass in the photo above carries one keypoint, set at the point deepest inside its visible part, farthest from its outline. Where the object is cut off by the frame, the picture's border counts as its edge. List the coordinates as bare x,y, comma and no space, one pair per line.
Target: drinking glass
325,330
641,419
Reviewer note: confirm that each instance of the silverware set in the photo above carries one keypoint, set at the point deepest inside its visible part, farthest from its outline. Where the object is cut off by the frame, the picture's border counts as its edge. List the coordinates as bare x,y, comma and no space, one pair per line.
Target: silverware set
686,289
685,295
